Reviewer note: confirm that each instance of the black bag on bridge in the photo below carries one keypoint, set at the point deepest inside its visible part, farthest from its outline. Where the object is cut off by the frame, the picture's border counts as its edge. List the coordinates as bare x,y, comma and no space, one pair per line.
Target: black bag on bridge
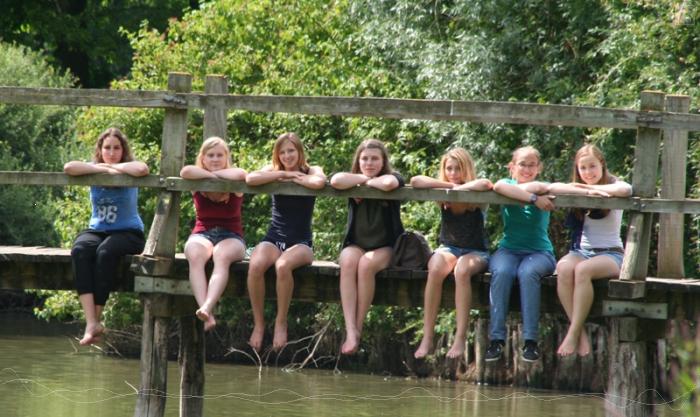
411,251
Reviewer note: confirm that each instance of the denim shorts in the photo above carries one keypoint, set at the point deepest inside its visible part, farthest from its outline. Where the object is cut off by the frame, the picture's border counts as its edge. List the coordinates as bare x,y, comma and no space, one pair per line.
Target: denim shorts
217,234
591,253
283,246
459,252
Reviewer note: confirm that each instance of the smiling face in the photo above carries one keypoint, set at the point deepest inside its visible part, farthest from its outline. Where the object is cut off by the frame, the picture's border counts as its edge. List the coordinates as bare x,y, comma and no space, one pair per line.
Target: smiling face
590,169
371,162
111,150
289,156
525,167
215,158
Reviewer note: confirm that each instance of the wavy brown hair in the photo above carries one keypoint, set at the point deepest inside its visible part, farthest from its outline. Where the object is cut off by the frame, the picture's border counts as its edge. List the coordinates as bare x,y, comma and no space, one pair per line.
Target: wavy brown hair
116,133
372,144
605,178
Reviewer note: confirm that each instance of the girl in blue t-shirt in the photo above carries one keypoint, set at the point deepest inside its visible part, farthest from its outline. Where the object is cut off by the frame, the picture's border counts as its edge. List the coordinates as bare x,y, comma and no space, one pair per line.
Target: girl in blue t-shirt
463,247
373,226
115,227
524,253
287,244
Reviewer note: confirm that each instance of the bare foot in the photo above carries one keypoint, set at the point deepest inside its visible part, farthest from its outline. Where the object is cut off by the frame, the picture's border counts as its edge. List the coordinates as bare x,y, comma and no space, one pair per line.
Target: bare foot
457,349
256,338
92,335
426,345
568,345
280,338
202,314
210,323
584,344
351,344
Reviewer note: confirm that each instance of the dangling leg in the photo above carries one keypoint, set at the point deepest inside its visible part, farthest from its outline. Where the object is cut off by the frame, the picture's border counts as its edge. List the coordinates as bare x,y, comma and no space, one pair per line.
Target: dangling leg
439,266
263,256
349,259
294,257
224,254
467,266
565,291
369,264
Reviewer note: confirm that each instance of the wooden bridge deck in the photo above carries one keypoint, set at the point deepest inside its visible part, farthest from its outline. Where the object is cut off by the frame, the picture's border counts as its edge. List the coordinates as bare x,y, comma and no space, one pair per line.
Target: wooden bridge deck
50,268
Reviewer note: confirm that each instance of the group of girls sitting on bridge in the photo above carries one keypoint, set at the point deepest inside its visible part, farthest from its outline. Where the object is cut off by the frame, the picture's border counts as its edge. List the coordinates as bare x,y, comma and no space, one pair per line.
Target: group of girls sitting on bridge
524,253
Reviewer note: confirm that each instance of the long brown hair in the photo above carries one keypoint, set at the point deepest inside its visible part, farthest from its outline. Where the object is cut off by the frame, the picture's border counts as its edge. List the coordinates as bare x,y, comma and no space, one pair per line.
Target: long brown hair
293,138
212,142
605,178
114,132
372,144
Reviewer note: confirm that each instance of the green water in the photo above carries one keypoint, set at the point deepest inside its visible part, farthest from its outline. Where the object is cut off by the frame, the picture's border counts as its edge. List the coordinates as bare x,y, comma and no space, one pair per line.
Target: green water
44,373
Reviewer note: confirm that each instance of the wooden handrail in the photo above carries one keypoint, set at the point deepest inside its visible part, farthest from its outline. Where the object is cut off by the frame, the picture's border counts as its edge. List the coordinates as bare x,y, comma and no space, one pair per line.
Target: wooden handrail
390,108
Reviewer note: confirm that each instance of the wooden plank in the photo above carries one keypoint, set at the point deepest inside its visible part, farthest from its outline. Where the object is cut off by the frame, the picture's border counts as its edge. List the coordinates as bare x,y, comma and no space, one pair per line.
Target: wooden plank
191,360
646,164
154,362
390,108
59,178
162,238
214,113
90,97
673,166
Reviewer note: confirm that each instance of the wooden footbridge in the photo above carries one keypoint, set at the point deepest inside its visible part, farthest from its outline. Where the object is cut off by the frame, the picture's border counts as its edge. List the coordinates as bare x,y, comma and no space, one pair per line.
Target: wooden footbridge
637,306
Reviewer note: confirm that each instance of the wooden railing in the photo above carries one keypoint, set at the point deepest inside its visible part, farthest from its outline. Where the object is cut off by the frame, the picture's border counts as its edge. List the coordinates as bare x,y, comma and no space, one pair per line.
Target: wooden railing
658,114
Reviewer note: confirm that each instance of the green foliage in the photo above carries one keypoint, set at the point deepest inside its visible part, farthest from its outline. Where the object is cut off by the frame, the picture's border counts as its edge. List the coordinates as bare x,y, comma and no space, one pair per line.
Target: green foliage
84,36
31,138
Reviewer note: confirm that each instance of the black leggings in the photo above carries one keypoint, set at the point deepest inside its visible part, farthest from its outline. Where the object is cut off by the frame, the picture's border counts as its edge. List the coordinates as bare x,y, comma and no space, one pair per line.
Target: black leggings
96,257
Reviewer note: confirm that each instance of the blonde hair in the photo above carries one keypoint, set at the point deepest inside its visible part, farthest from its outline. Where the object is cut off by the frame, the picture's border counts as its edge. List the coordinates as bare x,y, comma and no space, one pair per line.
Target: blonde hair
208,144
463,159
372,144
526,150
292,137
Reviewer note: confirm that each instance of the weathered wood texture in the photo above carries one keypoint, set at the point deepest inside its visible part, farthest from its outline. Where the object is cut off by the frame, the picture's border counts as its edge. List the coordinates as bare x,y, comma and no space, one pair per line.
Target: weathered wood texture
162,237
214,113
628,374
645,173
389,108
191,360
154,362
673,167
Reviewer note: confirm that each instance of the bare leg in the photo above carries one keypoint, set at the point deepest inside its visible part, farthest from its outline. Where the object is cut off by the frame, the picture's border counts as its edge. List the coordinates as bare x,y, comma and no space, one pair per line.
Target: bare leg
439,265
349,259
370,263
467,266
93,327
225,252
565,291
290,260
198,250
263,256
586,271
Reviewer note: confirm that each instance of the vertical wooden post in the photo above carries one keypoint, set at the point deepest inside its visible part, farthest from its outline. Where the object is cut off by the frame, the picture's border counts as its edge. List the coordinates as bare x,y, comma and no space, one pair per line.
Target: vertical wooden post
646,164
629,371
673,163
191,360
161,242
192,339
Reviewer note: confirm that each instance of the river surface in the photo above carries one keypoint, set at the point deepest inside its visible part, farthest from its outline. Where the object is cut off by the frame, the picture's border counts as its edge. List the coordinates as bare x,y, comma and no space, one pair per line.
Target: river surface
44,373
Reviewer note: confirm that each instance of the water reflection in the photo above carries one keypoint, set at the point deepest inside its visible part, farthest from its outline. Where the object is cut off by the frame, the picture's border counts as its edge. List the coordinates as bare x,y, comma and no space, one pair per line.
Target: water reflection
45,373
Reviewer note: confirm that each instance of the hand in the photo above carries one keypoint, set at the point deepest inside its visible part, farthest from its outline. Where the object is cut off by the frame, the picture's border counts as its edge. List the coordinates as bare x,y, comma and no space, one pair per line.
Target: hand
544,202
600,193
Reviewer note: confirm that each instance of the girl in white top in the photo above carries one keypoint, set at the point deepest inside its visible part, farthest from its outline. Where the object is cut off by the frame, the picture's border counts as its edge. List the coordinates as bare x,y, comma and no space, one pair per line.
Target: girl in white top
596,250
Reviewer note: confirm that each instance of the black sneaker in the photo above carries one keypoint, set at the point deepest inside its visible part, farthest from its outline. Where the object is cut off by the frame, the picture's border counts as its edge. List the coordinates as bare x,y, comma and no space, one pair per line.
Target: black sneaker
494,351
531,353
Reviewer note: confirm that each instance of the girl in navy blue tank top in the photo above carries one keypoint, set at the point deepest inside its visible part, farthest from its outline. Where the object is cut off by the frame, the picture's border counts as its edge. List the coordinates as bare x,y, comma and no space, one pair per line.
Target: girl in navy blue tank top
115,228
463,247
218,233
287,244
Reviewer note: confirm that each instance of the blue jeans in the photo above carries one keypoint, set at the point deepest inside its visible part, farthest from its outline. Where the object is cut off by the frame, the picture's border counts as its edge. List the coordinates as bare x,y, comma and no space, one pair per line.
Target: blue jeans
529,267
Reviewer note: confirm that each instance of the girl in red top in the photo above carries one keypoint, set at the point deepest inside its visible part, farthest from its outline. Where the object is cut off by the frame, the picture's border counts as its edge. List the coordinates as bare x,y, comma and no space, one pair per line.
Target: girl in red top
217,233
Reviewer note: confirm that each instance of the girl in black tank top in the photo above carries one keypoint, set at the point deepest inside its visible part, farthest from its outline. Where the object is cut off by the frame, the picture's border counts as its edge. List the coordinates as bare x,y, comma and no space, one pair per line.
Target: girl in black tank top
287,244
463,249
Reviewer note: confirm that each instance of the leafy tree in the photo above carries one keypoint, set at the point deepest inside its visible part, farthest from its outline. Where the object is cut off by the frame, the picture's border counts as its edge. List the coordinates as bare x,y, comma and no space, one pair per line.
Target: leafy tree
84,35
